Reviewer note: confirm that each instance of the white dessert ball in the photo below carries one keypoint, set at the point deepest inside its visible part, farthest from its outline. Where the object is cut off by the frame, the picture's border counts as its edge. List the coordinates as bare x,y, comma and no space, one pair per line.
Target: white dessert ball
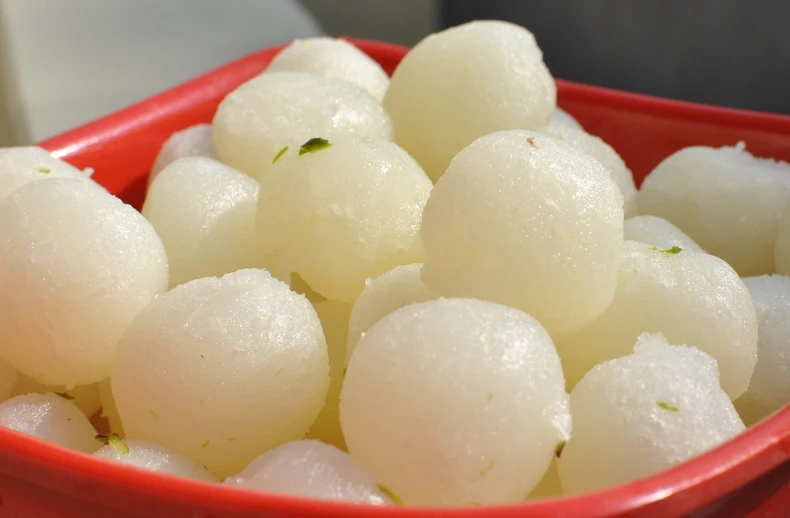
455,402
725,199
311,469
109,410
346,212
256,122
76,266
330,57
86,397
769,389
658,232
197,140
394,289
606,155
525,220
204,211
153,457
334,321
222,369
51,418
562,118
8,378
466,82
692,298
22,165
621,433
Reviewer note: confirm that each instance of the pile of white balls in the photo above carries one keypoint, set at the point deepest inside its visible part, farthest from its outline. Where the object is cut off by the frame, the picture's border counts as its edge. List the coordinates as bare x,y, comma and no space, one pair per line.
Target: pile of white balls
381,290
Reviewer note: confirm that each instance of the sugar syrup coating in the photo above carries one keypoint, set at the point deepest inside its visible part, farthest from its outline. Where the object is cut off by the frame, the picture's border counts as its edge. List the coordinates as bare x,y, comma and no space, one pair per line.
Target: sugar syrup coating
658,232
197,140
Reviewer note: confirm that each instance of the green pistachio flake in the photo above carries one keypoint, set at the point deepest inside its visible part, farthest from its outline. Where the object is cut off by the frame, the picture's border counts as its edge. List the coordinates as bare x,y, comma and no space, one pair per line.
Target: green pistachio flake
667,406
45,170
114,440
65,395
389,494
489,397
558,449
280,154
673,250
313,145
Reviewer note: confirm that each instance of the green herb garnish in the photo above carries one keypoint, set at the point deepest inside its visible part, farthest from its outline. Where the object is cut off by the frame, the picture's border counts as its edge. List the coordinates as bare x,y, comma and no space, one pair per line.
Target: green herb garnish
45,170
558,449
280,154
667,406
313,145
390,494
65,395
673,250
114,440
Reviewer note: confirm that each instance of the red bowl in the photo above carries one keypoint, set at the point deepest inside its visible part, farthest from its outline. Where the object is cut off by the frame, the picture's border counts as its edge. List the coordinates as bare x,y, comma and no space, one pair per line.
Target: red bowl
748,476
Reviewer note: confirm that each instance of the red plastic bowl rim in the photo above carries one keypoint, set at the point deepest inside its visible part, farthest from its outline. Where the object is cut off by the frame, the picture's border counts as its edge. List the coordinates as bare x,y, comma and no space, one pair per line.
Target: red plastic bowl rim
701,471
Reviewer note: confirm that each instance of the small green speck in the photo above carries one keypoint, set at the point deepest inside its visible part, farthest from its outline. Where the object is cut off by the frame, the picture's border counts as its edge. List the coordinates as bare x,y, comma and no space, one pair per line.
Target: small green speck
65,395
205,444
45,170
114,440
673,250
489,397
389,494
489,467
558,449
667,406
313,145
280,154
151,411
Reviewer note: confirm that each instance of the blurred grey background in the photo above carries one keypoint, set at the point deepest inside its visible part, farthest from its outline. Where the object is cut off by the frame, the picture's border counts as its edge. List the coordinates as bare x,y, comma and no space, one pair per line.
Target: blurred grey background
63,63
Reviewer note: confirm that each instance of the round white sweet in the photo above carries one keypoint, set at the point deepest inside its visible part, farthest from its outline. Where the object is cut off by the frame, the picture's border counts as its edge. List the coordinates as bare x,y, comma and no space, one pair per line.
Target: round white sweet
311,469
153,457
222,369
51,418
658,232
466,82
330,57
725,199
343,214
255,122
22,165
398,287
197,140
562,118
692,298
643,413
455,402
204,211
76,266
525,220
86,397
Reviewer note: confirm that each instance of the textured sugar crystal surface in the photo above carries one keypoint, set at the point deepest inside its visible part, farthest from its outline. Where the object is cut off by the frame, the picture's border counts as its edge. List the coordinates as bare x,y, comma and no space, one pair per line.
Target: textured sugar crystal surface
562,118
658,232
643,413
86,397
76,266
22,165
51,418
769,389
605,154
197,140
153,457
466,82
692,298
222,369
204,211
398,287
455,402
275,110
525,220
312,469
342,214
726,200
331,57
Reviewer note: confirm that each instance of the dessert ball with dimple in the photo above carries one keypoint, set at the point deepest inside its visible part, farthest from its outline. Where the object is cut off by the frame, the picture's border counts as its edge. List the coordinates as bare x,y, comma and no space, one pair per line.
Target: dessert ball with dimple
564,119
22,165
204,211
725,199
455,402
643,413
312,469
256,122
526,220
330,57
222,369
341,212
396,288
76,266
109,410
658,232
197,140
466,82
334,321
692,298
51,418
153,457
605,154
86,397
769,389
8,378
